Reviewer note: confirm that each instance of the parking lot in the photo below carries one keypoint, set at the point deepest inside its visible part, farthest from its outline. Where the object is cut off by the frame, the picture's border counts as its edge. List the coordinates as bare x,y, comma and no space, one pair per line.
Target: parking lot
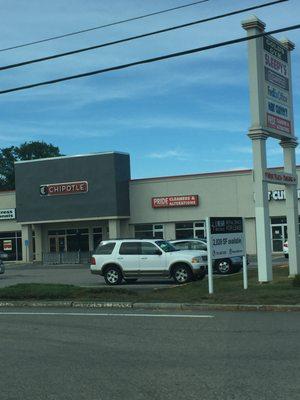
80,275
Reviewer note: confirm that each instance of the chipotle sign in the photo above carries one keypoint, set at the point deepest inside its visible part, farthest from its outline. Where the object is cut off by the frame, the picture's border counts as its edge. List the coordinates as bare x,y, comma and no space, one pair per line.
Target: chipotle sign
60,189
190,200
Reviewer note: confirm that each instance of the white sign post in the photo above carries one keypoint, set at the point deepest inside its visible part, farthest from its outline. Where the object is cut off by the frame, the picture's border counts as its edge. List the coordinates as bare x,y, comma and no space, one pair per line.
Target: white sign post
272,116
209,258
225,239
245,273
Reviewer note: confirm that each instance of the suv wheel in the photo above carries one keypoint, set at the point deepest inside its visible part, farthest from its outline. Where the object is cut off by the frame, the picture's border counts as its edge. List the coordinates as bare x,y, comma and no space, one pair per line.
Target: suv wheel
182,274
113,276
224,267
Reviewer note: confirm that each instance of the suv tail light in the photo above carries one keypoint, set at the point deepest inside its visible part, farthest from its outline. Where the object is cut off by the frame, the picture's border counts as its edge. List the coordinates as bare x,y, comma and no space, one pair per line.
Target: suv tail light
285,244
93,261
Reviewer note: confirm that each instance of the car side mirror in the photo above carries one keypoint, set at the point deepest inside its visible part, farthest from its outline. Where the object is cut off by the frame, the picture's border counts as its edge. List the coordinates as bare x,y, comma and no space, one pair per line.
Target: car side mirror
158,252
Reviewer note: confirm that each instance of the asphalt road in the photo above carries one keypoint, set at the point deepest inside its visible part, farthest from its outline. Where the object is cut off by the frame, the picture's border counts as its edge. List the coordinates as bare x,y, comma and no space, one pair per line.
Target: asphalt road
81,276
118,355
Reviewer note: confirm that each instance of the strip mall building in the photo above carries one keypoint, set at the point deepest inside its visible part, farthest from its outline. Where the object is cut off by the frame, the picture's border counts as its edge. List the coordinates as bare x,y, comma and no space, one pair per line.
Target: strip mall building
66,205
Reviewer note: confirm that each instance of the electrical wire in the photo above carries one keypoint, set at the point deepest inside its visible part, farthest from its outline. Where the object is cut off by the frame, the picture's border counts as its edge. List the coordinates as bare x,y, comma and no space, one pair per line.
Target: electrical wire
48,58
104,26
151,60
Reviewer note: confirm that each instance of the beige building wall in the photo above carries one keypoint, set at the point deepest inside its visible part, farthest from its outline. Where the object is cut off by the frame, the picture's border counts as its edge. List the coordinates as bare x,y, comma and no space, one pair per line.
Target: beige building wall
219,195
250,235
8,200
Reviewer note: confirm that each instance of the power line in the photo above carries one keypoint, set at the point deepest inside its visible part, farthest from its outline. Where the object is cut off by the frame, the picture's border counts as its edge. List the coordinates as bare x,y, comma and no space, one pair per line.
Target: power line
47,58
151,60
105,26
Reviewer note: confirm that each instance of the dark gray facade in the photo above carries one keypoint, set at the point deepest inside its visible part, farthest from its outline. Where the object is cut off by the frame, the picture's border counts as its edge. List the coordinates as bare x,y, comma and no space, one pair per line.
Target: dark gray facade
107,174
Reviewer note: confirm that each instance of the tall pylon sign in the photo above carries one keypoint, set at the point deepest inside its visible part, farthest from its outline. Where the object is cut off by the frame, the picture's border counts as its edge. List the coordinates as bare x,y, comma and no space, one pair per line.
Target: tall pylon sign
271,105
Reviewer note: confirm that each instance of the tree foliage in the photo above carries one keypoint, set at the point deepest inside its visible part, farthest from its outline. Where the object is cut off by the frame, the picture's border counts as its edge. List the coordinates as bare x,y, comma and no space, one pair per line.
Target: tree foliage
26,151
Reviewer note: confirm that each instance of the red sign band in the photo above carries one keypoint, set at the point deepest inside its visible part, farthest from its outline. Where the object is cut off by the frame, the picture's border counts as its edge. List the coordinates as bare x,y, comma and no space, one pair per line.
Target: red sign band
278,123
191,200
59,189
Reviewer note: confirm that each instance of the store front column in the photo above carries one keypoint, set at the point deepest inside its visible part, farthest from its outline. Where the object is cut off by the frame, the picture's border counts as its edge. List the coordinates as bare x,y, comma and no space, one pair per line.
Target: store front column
27,248
38,242
91,241
114,228
169,231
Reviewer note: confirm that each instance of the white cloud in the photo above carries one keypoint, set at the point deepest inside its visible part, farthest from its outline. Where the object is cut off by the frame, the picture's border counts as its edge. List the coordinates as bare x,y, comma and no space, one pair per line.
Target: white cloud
177,154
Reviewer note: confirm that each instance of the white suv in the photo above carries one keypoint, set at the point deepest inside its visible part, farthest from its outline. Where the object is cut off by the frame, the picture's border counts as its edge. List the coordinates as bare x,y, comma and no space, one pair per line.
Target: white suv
131,259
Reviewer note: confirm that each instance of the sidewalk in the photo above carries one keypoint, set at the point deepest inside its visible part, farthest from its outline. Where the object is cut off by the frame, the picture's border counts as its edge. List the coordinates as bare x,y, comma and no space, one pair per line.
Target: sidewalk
152,306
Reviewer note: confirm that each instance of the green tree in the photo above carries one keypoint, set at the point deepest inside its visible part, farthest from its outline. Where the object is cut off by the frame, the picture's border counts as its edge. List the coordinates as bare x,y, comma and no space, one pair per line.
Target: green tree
26,151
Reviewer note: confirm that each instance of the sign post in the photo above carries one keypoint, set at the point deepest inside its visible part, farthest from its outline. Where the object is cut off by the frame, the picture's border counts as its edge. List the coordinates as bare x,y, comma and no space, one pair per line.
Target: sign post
272,116
209,259
289,147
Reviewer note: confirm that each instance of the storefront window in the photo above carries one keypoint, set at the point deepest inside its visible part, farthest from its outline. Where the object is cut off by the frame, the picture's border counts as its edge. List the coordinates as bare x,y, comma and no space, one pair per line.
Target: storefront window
278,220
11,244
189,230
68,240
149,231
97,236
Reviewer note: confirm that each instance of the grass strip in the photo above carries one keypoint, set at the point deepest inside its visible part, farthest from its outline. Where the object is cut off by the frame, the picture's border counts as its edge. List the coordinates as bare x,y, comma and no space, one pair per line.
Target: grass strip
227,290
48,291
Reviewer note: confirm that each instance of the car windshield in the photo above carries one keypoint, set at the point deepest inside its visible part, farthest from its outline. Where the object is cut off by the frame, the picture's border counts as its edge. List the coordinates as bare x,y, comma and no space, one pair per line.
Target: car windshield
166,246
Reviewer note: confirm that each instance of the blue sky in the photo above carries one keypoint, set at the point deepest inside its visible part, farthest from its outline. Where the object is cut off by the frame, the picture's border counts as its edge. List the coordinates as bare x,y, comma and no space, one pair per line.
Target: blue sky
186,115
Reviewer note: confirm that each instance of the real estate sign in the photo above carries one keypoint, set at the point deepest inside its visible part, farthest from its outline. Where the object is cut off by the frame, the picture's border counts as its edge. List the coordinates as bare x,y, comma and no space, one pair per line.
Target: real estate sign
226,237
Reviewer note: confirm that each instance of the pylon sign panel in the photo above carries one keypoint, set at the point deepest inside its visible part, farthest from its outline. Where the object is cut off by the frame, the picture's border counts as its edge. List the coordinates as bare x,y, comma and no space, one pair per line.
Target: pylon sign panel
278,114
226,237
281,178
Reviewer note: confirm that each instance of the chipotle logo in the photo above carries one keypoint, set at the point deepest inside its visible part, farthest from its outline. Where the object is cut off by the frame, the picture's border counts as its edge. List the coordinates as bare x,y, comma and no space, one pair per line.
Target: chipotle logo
190,200
60,189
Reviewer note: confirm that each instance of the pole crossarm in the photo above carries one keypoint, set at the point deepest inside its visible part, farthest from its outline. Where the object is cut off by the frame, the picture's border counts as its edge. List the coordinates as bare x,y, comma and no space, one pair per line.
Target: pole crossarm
257,134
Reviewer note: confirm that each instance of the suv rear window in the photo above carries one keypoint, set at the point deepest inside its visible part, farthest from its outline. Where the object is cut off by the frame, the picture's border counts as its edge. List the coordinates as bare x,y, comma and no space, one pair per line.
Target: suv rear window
105,248
130,248
182,245
198,246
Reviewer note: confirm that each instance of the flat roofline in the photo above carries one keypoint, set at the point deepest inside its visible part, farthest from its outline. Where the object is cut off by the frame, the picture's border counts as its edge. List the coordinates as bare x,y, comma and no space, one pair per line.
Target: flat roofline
55,221
204,174
240,171
74,156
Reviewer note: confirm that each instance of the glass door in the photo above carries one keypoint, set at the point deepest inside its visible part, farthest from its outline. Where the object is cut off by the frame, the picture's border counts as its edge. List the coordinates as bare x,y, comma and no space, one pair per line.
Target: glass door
52,244
279,236
57,244
61,244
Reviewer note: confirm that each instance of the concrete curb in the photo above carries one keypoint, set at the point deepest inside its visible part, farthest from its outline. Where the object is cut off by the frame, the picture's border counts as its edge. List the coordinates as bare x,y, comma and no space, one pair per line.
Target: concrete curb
153,306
